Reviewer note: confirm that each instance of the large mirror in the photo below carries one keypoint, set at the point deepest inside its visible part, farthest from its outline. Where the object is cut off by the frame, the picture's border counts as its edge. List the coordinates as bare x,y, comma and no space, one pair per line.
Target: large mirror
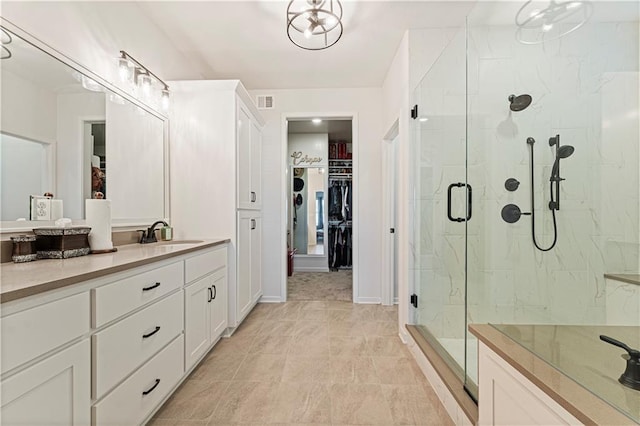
308,210
64,134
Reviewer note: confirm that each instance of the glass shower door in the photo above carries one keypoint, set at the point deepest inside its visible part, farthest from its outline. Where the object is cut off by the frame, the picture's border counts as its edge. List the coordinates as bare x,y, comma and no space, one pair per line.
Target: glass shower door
440,204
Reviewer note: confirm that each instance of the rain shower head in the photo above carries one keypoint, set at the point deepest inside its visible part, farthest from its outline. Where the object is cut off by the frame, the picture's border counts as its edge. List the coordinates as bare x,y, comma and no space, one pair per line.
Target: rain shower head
564,151
518,103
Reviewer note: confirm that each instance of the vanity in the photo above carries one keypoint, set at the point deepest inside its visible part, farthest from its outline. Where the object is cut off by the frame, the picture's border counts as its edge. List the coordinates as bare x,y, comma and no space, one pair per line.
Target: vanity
106,339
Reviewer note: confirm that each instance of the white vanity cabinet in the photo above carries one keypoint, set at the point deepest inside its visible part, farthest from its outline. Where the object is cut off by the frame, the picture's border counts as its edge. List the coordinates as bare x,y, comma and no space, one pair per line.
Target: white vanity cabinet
249,160
111,350
249,261
216,131
509,398
205,304
46,363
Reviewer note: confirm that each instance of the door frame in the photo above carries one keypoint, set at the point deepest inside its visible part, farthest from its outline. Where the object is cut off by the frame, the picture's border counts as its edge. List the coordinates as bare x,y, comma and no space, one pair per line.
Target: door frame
389,265
284,179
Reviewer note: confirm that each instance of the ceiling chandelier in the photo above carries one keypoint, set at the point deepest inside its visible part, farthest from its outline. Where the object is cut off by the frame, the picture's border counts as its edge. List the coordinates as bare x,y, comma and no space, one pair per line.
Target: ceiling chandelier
559,18
314,24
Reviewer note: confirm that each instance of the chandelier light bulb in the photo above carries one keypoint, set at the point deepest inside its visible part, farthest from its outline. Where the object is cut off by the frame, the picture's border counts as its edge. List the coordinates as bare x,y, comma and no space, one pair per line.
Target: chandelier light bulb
547,27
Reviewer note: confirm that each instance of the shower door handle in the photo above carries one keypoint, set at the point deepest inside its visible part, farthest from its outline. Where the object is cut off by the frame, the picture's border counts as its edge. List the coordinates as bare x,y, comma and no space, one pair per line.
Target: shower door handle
469,201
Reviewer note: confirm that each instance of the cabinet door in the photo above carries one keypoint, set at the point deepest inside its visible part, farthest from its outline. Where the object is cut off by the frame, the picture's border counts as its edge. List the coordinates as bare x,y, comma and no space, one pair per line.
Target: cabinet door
197,321
55,391
256,259
256,166
218,303
244,162
246,222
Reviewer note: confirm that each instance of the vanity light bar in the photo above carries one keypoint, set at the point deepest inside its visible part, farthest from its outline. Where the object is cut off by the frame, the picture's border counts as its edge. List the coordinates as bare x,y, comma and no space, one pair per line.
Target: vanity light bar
125,55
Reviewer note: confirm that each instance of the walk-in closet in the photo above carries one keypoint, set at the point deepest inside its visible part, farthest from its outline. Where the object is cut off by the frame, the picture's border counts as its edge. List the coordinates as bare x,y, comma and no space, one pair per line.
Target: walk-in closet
320,209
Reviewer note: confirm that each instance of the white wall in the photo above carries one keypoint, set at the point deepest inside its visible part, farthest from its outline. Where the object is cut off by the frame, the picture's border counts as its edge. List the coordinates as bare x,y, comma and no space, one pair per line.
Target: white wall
94,33
28,110
365,103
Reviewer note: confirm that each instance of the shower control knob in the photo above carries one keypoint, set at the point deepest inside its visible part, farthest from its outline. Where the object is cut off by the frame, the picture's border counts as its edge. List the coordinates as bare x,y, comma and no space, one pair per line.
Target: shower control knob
511,184
512,213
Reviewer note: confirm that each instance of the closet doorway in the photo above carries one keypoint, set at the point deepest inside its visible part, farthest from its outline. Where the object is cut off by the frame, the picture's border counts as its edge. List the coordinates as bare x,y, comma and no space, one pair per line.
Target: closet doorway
320,209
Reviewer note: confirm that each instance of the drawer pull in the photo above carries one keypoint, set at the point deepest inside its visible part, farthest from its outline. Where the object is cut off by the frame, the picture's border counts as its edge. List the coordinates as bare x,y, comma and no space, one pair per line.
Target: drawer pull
210,295
215,292
147,392
144,336
156,285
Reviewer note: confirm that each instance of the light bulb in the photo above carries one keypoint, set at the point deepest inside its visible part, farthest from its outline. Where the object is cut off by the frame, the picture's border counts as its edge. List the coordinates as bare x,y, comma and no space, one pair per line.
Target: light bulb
332,21
165,100
307,33
123,69
144,80
535,14
316,121
547,27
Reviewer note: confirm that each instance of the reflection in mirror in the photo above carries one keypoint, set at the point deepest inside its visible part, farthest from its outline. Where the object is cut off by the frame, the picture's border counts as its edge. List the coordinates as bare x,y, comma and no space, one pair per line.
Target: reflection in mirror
65,134
308,188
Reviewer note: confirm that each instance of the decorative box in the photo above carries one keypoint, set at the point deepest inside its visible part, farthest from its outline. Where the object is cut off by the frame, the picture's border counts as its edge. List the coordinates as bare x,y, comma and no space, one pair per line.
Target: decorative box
62,243
24,248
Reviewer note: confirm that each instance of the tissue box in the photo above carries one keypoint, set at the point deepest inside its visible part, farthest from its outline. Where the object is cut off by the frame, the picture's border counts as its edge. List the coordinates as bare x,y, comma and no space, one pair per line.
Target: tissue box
62,243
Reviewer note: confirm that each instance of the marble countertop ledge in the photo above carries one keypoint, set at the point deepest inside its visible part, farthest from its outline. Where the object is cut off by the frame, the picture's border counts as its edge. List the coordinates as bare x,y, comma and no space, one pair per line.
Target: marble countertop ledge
625,278
576,399
19,280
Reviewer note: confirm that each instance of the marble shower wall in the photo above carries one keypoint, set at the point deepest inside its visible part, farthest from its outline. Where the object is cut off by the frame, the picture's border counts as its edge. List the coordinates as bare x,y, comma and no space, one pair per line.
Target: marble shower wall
585,89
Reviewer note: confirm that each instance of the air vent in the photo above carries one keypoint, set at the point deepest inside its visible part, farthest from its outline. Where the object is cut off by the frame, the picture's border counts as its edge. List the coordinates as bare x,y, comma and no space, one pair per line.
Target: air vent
265,102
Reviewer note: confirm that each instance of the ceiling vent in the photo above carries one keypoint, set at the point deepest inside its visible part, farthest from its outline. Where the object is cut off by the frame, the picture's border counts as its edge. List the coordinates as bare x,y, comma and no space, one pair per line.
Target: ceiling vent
265,102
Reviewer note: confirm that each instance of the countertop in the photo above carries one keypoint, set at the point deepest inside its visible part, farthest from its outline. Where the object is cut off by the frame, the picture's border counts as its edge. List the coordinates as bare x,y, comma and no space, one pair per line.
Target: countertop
572,365
18,280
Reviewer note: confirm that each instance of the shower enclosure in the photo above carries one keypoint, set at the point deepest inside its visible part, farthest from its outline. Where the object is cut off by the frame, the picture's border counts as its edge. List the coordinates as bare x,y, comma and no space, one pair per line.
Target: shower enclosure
580,67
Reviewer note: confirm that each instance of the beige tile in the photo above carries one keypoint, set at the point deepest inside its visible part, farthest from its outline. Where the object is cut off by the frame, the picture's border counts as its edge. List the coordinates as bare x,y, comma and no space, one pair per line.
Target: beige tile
261,311
307,369
270,345
338,304
359,404
194,400
348,346
235,344
342,315
249,327
245,402
261,367
315,305
380,328
302,403
413,405
309,345
314,315
175,422
387,346
345,328
353,370
397,370
276,327
311,328
385,313
218,366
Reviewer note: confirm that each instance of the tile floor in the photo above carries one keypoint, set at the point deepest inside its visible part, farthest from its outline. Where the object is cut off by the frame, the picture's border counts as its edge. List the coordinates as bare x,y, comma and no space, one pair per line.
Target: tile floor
317,362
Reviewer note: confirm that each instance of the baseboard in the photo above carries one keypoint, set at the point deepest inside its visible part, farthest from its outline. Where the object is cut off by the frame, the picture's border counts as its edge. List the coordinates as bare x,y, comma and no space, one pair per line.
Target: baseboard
270,299
368,300
310,269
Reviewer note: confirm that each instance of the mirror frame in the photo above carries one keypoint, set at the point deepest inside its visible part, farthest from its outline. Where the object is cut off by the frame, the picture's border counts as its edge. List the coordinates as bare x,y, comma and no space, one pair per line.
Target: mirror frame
7,227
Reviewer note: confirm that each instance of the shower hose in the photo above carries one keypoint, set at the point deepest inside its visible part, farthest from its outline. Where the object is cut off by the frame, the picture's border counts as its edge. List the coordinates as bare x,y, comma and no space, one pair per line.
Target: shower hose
533,211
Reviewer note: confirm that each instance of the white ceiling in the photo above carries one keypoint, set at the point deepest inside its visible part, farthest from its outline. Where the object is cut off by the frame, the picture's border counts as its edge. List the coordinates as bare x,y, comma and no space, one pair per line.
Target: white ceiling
247,40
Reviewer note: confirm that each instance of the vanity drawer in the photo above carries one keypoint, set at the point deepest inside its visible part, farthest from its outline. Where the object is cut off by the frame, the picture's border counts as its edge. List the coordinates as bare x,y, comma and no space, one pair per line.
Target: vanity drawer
33,332
122,347
205,263
128,404
116,299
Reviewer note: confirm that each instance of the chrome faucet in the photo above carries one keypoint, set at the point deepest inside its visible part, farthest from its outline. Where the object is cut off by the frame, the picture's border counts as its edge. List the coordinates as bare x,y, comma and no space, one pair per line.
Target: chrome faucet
149,236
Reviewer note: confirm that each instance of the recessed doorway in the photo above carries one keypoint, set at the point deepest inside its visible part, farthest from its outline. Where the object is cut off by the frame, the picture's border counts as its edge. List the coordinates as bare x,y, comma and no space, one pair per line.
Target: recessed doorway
320,209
